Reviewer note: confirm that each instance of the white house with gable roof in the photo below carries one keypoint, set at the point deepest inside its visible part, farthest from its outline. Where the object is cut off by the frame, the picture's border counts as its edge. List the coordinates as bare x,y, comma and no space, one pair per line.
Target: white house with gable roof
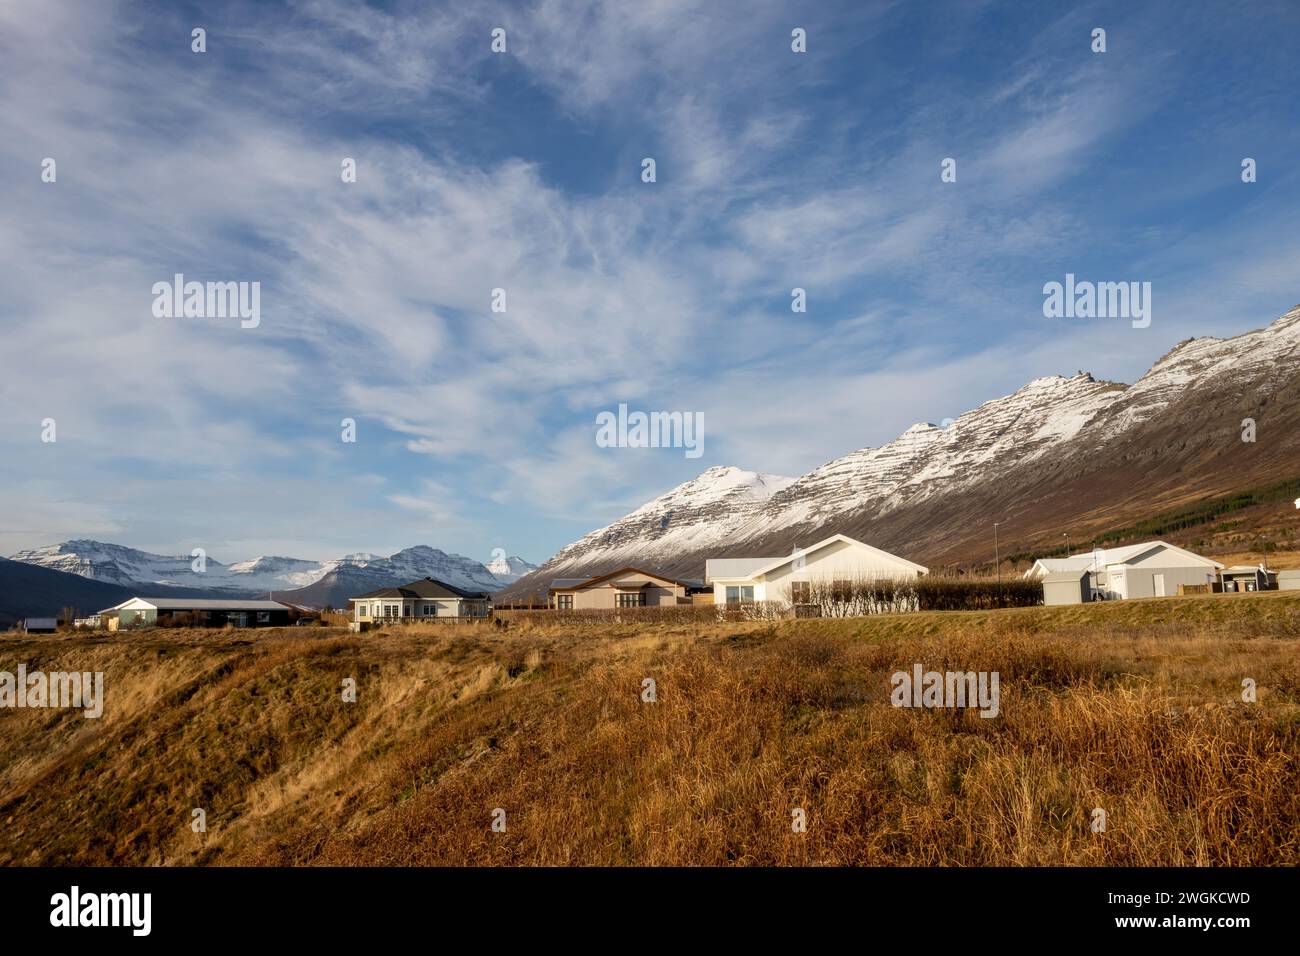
1149,569
837,558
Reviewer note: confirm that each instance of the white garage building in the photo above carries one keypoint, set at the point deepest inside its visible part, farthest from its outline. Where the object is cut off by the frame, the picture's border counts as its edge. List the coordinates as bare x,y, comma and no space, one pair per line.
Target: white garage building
1150,569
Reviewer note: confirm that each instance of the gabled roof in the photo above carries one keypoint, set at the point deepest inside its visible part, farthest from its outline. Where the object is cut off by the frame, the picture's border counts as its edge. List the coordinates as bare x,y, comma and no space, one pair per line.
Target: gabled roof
771,564
592,582
1108,556
1074,577
423,588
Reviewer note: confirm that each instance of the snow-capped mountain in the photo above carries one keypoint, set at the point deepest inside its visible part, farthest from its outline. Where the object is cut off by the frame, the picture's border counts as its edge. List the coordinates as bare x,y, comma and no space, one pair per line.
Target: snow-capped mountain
130,567
115,564
422,561
363,574
1060,452
726,506
509,569
696,514
272,570
927,460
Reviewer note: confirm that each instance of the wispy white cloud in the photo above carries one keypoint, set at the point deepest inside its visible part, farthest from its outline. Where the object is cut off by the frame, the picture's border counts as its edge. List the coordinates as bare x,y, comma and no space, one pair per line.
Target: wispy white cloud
376,295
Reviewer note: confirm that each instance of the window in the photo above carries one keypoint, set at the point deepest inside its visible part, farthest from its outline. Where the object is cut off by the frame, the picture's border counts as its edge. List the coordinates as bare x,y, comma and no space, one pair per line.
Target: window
631,598
390,610
406,609
263,617
841,591
564,602
801,592
431,610
740,594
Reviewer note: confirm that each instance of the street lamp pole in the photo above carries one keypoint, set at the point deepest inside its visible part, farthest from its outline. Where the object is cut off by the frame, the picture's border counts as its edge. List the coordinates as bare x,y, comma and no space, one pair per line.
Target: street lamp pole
997,555
1066,536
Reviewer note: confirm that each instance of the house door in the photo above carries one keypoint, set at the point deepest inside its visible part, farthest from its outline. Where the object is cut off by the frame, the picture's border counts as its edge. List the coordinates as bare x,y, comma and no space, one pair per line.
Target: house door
1160,585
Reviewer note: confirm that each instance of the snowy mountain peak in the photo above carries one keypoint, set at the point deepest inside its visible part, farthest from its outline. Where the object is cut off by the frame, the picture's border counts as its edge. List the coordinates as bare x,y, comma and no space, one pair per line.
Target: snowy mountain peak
1287,320
510,568
360,557
116,564
271,565
920,428
133,568
718,499
721,483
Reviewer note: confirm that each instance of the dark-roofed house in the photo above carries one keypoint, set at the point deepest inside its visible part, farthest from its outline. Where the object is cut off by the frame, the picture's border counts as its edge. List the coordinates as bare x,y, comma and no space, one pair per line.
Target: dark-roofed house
198,612
418,601
626,587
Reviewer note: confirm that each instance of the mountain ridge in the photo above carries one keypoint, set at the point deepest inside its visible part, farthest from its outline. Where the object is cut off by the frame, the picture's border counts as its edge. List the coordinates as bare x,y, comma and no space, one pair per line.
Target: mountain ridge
1059,451
136,569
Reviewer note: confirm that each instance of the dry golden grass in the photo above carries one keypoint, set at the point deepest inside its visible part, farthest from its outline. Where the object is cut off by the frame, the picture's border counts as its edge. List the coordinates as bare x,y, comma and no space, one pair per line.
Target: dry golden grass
1133,707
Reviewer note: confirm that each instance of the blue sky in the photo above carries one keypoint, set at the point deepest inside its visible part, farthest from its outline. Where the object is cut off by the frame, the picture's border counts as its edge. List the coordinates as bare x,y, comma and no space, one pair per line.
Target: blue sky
521,171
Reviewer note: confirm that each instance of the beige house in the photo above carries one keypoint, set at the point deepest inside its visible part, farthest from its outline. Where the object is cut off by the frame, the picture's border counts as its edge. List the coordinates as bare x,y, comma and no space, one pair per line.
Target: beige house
418,601
626,587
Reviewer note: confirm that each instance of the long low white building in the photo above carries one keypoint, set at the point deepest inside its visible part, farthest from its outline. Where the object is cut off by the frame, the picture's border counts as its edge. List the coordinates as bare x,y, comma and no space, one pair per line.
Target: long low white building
198,612
784,577
1149,569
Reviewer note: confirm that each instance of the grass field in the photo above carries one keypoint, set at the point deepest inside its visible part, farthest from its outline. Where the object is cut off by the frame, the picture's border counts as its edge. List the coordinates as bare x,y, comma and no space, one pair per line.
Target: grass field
1132,707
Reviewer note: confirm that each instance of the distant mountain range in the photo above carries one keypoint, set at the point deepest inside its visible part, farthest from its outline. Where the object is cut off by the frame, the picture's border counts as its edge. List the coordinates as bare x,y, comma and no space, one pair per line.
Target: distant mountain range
311,583
29,590
1063,455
